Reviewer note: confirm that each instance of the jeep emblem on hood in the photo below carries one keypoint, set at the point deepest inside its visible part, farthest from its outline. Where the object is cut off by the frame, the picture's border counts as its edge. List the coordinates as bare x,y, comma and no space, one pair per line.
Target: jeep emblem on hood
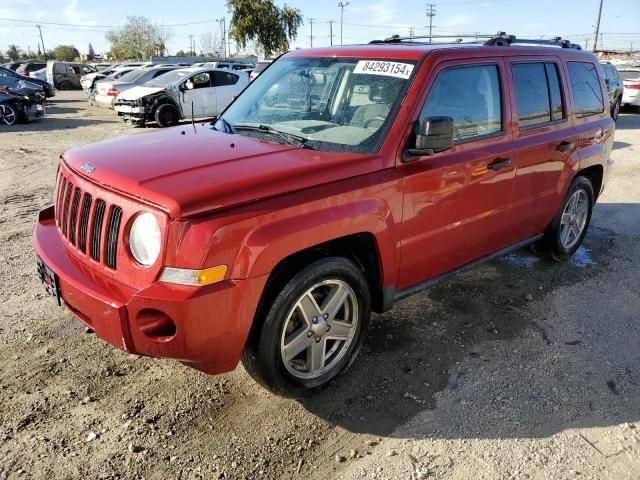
87,167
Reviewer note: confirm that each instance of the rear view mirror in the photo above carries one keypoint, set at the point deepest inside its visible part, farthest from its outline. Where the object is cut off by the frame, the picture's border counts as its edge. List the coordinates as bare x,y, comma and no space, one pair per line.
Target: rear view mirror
435,134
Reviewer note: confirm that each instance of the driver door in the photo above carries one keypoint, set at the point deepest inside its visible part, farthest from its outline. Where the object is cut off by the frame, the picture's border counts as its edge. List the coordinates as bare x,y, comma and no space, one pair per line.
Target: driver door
199,93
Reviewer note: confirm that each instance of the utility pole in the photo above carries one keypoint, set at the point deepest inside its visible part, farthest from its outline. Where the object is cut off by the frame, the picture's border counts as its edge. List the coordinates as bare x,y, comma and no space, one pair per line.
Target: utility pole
191,53
44,50
411,32
311,20
223,32
595,40
431,13
331,31
342,5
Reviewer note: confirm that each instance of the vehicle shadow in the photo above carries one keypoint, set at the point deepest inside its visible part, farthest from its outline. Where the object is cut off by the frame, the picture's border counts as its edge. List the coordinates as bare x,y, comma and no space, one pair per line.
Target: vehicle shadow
628,121
52,123
620,145
442,341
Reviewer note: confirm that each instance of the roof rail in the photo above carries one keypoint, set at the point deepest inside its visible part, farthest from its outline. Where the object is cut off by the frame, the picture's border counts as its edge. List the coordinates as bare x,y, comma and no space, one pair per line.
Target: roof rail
399,39
504,40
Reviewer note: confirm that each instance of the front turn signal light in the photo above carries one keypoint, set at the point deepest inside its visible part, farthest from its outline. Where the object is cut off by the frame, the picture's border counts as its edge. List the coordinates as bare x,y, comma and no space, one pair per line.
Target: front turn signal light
195,278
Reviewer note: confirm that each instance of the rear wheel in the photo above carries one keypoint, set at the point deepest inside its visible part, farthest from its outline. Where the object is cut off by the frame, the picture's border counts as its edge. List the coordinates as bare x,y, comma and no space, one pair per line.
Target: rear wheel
65,85
569,227
615,110
8,115
312,329
167,115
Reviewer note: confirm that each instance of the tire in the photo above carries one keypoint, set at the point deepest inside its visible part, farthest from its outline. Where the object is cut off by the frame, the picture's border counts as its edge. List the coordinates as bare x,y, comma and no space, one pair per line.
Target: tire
569,227
615,110
8,115
65,85
280,356
167,115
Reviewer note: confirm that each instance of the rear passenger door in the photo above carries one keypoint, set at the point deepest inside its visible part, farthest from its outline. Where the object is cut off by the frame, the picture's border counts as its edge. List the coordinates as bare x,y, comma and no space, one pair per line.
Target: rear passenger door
457,202
545,140
226,89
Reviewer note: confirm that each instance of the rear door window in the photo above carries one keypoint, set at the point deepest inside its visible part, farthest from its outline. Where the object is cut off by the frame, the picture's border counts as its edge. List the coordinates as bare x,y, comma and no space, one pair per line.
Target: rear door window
585,88
538,93
223,78
471,95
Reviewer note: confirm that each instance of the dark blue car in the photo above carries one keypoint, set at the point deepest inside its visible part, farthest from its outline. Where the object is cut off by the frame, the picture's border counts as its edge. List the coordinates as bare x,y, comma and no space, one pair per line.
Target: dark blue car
49,90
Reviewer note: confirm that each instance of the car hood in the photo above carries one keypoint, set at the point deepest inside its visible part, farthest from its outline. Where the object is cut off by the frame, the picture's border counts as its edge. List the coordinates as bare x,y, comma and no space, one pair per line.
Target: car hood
138,92
189,170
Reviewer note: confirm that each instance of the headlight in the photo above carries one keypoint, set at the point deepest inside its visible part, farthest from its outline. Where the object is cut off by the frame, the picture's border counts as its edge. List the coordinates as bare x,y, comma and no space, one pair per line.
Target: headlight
144,239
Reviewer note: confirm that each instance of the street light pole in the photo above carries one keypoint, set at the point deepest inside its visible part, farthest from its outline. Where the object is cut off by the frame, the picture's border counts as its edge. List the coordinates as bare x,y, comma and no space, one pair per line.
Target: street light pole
342,5
595,40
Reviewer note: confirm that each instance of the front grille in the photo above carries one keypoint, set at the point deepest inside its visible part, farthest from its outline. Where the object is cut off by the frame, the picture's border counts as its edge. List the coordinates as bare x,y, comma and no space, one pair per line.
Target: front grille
83,221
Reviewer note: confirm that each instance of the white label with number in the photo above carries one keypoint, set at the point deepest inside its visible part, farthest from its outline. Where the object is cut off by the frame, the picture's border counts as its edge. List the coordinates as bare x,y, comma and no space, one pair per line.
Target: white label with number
389,69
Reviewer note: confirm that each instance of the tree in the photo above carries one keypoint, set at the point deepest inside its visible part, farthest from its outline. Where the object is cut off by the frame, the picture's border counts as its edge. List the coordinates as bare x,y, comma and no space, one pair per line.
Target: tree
91,54
13,52
211,44
66,53
181,53
138,39
261,20
39,51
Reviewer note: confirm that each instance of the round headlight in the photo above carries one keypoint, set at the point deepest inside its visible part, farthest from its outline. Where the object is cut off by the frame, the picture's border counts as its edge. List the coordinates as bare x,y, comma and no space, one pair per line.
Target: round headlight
144,239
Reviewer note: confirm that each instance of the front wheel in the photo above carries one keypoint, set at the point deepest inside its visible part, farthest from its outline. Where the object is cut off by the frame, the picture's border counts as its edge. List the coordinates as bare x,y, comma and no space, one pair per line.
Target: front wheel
167,115
569,227
312,330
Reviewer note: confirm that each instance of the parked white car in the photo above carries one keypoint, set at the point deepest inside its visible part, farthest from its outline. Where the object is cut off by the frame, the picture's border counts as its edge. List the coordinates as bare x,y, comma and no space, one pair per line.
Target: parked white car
90,79
198,92
39,74
108,90
631,81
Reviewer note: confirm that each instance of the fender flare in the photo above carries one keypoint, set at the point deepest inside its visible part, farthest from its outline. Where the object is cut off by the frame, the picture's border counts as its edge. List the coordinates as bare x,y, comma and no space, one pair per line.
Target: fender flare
268,244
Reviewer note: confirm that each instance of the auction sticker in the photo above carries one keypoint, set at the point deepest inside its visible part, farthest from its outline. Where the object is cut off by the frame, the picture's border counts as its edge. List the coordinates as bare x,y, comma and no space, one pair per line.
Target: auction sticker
389,69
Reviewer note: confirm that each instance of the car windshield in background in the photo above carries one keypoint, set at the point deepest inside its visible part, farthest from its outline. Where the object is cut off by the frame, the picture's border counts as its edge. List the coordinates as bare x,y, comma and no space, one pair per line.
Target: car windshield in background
167,78
630,74
331,104
132,76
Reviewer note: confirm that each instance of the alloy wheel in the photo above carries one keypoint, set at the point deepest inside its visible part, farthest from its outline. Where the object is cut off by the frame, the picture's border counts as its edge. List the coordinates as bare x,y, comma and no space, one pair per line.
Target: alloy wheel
319,329
7,114
574,219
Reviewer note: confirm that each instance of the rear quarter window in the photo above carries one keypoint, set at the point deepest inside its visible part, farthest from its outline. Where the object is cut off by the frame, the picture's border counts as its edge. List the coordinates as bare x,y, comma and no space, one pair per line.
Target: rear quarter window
585,88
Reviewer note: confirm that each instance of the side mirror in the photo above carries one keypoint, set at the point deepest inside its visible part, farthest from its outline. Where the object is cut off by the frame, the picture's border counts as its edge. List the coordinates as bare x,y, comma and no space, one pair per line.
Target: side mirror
435,134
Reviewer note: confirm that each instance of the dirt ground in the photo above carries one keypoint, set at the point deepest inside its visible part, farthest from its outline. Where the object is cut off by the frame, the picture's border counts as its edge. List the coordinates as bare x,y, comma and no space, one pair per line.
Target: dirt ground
518,369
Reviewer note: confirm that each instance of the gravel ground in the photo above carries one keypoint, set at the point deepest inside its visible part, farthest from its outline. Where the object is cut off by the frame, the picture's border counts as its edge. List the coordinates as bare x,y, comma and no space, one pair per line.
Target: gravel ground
518,369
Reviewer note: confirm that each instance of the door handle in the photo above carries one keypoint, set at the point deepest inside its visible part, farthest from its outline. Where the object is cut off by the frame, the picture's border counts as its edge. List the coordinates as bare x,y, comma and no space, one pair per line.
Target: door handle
499,163
565,146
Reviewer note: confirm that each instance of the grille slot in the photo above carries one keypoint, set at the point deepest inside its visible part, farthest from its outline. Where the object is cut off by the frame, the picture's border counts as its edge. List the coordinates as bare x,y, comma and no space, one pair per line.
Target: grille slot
96,231
61,188
84,223
65,213
113,229
74,216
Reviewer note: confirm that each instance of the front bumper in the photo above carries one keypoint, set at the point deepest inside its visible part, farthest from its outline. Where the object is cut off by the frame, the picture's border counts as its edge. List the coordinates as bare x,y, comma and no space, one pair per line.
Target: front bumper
211,324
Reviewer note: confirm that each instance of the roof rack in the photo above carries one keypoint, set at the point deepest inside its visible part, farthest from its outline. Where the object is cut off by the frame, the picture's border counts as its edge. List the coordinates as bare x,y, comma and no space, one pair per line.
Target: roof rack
501,39
504,40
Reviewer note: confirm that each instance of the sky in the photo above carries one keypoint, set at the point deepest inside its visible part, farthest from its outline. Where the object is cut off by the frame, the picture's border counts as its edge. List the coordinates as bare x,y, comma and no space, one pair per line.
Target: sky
86,21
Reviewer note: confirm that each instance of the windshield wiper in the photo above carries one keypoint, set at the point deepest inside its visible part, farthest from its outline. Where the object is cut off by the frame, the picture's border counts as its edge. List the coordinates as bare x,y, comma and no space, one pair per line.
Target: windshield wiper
289,138
227,126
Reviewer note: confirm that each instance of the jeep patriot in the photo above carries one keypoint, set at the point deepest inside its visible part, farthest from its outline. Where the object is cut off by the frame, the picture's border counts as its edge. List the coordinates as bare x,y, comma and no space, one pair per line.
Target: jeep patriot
340,181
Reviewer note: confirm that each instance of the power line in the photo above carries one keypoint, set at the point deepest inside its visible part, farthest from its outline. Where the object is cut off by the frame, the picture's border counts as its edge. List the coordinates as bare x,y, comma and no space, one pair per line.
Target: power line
98,26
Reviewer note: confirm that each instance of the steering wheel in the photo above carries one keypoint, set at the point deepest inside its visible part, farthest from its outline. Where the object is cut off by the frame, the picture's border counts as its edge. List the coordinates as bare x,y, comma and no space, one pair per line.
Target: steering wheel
369,121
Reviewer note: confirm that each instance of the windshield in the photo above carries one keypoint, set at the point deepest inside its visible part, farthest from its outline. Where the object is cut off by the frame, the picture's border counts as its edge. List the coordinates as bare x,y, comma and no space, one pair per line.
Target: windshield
630,74
331,104
167,78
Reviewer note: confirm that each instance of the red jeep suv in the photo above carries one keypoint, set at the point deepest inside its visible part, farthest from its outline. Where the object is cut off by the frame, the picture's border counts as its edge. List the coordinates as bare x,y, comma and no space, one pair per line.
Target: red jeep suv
339,182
